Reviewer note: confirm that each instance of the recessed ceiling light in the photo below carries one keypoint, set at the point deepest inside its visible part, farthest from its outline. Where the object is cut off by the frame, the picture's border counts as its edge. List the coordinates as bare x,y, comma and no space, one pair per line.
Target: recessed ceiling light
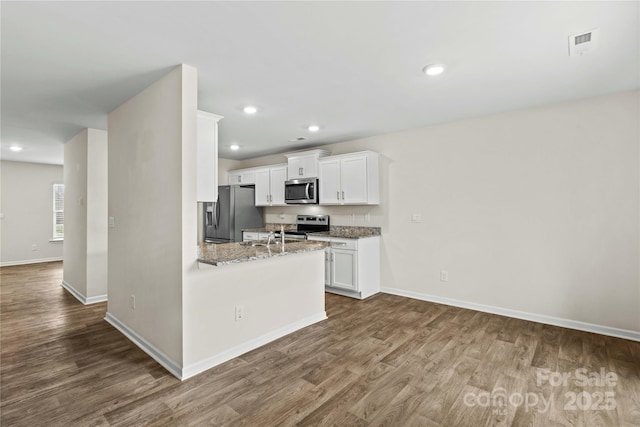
433,69
15,148
234,147
314,128
249,109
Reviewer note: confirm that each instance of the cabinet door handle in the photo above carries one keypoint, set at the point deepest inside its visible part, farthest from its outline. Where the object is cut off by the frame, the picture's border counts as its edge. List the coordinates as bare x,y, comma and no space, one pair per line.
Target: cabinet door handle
343,195
338,195
300,171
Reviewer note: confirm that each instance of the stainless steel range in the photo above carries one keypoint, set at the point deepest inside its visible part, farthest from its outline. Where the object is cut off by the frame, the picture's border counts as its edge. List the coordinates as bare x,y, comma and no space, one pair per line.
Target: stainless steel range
308,224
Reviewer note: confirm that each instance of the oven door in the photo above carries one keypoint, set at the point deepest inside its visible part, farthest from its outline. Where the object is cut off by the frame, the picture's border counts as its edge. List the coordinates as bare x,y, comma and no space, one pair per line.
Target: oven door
301,191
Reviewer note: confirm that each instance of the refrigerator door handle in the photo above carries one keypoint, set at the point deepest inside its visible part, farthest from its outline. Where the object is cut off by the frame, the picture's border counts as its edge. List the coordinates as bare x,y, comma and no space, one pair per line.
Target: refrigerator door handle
217,210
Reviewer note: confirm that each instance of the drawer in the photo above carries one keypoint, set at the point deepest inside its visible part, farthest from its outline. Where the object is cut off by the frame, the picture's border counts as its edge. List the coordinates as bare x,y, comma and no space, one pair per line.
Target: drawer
347,243
248,236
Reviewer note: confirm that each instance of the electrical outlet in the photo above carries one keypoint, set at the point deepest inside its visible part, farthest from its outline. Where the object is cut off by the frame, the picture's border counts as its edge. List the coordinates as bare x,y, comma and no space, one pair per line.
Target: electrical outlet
132,300
34,247
444,276
416,217
239,312
112,222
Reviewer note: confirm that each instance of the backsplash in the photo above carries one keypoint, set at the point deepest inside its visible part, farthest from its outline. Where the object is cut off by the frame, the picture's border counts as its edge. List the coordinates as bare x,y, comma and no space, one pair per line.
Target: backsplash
363,216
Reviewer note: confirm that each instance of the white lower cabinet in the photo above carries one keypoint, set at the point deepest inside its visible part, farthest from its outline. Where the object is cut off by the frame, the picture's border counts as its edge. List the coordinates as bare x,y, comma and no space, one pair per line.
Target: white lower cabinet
352,266
344,269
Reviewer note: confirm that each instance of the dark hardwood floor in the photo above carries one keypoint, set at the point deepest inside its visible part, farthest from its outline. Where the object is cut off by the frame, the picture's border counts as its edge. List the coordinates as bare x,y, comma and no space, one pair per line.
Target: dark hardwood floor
384,361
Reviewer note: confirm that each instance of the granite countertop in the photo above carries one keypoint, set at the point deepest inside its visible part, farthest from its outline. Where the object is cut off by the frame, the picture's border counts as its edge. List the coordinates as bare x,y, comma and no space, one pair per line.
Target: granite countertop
269,227
346,232
337,231
233,253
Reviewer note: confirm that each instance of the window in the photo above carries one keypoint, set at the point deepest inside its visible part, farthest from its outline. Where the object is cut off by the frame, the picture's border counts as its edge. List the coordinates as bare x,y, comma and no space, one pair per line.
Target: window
58,211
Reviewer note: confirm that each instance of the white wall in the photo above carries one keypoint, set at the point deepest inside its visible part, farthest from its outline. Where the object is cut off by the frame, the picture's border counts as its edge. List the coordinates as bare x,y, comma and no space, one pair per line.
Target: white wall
535,211
146,152
27,204
75,214
97,209
85,250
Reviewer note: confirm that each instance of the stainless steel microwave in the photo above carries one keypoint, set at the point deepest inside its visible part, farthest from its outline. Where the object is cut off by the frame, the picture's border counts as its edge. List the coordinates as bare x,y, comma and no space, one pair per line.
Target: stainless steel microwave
301,191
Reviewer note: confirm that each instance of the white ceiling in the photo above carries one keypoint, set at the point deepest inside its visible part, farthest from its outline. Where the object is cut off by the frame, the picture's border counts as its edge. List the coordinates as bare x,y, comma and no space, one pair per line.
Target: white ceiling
354,68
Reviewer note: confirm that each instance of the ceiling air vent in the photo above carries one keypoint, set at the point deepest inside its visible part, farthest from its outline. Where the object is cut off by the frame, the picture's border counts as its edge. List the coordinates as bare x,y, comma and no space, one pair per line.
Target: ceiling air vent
579,44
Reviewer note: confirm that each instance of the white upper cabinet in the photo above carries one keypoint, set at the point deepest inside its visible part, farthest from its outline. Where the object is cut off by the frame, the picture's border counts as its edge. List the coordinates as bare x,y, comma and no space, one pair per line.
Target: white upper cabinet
304,164
354,180
263,190
242,176
269,183
277,179
349,179
329,181
207,157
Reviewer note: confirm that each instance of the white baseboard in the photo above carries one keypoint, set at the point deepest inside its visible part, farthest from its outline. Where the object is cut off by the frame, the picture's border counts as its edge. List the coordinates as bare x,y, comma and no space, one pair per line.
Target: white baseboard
84,300
174,368
343,292
540,318
29,261
210,362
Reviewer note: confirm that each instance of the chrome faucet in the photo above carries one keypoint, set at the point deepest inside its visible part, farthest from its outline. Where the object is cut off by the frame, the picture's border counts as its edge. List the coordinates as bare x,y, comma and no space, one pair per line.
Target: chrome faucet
282,234
272,235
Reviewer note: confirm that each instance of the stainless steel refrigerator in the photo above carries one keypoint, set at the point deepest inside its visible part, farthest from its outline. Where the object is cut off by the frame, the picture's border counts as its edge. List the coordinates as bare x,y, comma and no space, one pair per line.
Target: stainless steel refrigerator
234,211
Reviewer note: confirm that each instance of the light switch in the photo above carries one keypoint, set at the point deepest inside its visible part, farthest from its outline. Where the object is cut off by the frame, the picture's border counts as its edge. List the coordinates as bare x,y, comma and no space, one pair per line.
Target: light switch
416,217
112,222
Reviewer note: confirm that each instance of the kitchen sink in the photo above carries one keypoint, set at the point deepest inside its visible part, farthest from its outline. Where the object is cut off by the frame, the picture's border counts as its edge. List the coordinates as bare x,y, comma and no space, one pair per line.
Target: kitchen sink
264,243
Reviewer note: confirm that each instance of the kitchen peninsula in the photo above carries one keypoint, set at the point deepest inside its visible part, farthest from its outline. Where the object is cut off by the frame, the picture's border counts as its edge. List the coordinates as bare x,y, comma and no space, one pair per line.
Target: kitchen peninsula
233,253
240,297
